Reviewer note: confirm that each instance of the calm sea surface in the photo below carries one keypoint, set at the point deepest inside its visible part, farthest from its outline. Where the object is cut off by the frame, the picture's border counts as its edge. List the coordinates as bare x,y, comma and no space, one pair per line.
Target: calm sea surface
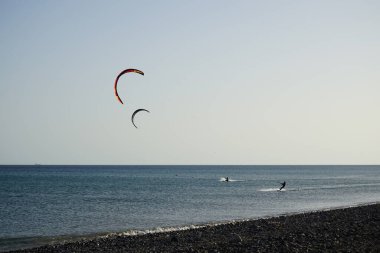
39,204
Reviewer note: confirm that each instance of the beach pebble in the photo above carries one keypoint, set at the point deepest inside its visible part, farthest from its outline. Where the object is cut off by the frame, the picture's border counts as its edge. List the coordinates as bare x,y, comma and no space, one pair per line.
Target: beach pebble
235,238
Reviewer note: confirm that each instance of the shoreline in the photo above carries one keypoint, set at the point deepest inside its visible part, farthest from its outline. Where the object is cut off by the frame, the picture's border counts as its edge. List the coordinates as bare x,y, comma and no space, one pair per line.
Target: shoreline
352,228
185,227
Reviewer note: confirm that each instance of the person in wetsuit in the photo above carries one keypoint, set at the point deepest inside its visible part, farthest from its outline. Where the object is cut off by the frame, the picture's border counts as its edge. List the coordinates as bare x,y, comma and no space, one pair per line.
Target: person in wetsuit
226,179
282,185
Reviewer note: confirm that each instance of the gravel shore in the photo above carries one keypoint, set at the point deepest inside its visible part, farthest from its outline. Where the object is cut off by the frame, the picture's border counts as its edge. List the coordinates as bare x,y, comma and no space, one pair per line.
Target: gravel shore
355,229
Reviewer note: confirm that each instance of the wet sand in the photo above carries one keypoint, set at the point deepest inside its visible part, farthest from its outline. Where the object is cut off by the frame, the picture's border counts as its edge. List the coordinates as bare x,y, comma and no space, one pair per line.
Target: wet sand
355,229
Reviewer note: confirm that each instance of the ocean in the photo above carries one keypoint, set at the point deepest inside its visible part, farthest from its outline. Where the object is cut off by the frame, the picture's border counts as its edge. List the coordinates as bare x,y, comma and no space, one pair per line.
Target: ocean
43,204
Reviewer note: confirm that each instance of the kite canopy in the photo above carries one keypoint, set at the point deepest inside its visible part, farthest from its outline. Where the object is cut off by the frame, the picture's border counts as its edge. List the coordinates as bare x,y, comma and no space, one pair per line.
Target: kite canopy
122,73
133,115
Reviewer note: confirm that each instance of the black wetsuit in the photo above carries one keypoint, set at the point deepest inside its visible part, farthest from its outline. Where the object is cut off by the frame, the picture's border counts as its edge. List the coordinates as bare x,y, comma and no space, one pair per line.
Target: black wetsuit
282,185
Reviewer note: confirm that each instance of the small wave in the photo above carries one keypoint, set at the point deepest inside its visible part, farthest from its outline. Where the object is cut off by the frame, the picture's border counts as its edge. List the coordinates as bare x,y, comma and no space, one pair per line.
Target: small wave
158,230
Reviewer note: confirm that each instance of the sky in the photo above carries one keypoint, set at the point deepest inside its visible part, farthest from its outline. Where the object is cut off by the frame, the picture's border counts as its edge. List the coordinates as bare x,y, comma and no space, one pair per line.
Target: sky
226,82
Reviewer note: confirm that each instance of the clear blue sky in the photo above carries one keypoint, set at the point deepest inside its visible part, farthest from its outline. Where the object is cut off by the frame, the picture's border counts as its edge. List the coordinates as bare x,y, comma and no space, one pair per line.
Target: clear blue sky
226,82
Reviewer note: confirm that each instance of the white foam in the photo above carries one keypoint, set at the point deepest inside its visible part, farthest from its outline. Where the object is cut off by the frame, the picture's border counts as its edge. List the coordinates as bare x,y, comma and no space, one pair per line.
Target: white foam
223,179
270,190
164,229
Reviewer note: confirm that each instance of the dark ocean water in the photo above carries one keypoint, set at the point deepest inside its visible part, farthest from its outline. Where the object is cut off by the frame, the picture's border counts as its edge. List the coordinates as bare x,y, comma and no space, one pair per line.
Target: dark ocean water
41,204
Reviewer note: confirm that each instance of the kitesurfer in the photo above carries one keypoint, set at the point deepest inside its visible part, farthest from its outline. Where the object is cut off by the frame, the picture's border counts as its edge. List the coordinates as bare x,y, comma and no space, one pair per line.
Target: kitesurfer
282,185
226,179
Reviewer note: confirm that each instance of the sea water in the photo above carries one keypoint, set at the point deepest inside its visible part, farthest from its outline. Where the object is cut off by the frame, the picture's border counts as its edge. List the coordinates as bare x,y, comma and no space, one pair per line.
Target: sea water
40,204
